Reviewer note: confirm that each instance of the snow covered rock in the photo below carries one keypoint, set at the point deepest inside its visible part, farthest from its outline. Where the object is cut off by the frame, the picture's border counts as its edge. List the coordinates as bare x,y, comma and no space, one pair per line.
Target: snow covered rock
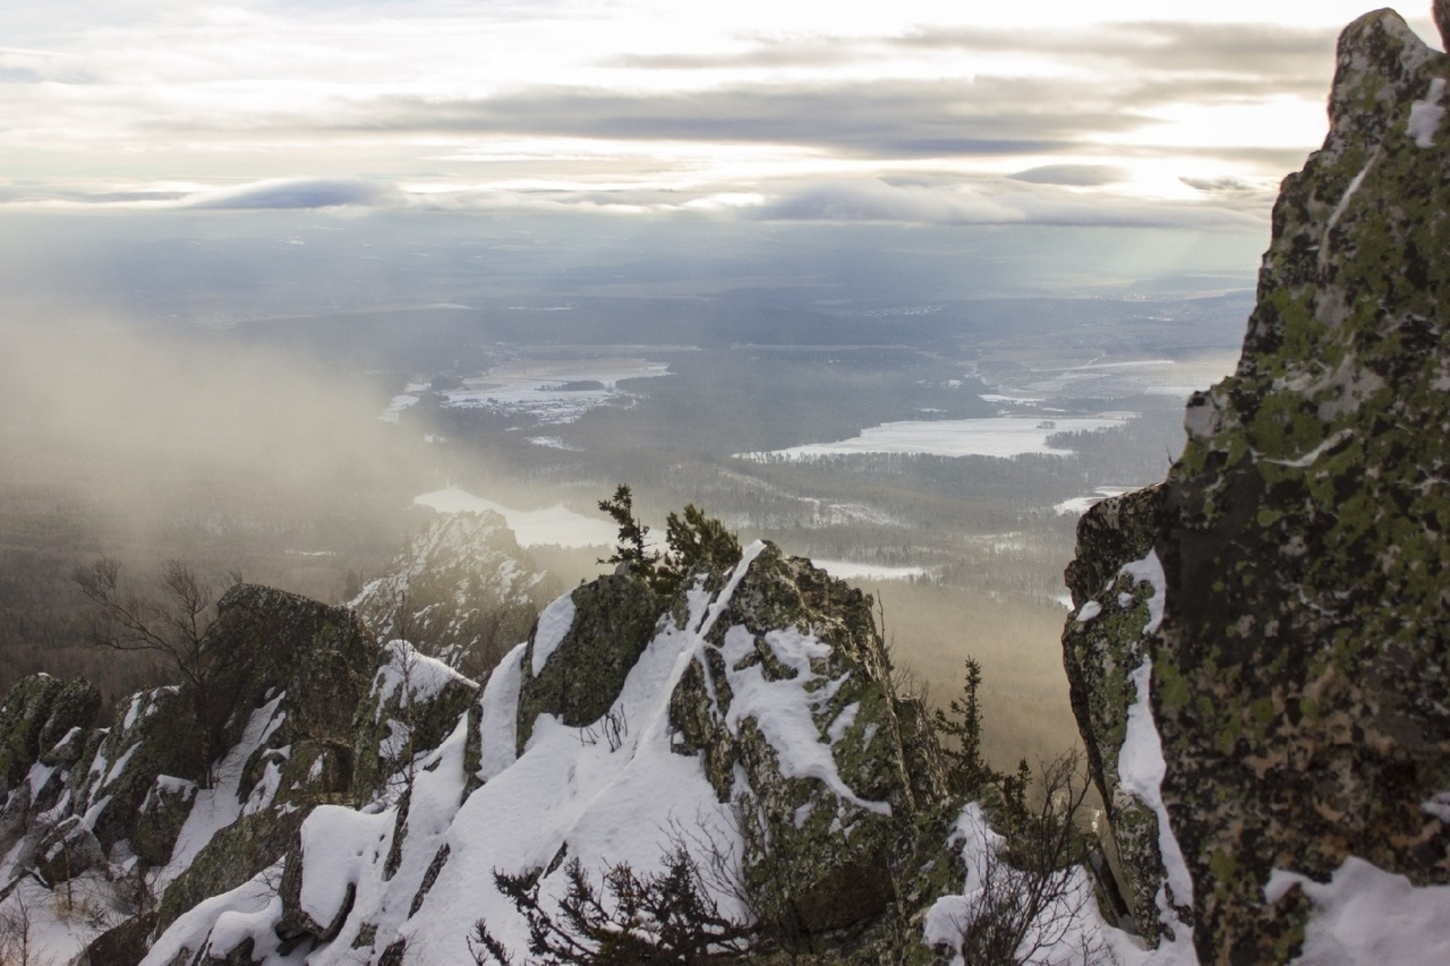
462,591
414,703
1261,645
747,718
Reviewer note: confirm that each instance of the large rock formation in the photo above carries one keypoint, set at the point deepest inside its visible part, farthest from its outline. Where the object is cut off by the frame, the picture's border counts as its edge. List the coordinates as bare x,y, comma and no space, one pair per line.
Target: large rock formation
1276,615
747,717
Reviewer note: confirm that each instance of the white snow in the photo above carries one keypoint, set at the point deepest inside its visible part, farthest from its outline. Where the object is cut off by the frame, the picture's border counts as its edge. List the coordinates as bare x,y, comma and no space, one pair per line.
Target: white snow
417,676
554,623
1349,192
607,805
554,525
339,846
1426,115
1150,570
498,722
999,436
782,709
252,905
1140,772
1067,928
1438,806
1078,505
1309,458
534,389
1364,916
843,722
1088,611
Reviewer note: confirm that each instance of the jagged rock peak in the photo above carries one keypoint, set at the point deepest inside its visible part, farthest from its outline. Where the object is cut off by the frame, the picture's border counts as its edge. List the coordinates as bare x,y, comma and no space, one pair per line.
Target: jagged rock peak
1276,615
463,591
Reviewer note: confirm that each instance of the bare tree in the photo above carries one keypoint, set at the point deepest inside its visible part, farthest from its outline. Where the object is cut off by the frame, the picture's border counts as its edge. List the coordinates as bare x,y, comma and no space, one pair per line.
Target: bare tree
172,624
1028,894
19,944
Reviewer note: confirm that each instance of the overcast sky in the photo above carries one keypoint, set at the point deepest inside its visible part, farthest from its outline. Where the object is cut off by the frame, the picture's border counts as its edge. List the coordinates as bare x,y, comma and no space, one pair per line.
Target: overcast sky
1119,112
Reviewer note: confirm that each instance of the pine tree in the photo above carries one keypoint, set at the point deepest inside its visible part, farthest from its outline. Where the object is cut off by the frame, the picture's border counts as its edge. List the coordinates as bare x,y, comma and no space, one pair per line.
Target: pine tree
632,532
967,773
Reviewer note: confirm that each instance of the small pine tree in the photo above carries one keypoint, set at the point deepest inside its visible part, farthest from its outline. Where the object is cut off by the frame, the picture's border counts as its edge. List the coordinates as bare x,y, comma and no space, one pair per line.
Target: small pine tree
632,532
967,773
697,541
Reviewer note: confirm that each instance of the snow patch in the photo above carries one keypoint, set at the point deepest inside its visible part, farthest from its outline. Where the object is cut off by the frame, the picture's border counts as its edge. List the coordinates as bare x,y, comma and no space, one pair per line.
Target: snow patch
1364,916
498,722
1149,570
213,809
554,623
412,676
782,709
1426,115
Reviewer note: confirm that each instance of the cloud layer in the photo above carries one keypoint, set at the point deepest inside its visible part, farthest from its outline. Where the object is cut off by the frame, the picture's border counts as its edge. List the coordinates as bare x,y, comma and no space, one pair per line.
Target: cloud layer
917,113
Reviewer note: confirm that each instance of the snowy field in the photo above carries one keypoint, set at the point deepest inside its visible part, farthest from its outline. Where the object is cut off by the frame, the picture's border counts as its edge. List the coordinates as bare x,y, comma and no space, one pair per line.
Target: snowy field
1000,436
552,391
849,570
556,525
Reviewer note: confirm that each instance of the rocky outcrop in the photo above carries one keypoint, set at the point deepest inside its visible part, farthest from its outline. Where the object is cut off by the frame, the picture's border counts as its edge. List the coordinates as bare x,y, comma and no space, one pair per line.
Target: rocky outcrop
1274,616
747,717
463,591
190,790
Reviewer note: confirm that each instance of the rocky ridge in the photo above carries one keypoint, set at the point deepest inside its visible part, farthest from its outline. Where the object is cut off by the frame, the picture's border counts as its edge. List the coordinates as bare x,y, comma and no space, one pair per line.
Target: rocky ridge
1271,621
364,793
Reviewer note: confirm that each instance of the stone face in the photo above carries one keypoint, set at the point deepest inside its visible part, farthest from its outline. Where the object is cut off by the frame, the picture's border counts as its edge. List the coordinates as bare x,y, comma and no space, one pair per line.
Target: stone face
22,719
1299,671
615,617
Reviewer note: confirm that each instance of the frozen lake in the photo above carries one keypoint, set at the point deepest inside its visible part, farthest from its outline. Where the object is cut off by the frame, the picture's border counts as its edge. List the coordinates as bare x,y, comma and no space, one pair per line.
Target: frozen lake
557,525
1000,436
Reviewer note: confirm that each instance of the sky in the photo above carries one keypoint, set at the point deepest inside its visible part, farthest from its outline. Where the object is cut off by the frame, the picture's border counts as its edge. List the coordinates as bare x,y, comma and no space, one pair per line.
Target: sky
1118,113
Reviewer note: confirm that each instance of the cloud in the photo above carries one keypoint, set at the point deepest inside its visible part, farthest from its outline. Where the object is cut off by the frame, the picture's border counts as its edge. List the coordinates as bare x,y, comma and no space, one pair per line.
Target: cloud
1247,49
303,193
1075,175
988,204
875,200
985,116
50,194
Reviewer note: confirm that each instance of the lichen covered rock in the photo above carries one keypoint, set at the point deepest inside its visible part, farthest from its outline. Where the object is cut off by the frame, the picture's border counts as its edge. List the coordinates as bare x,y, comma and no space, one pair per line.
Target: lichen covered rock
1300,666
788,704
582,648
